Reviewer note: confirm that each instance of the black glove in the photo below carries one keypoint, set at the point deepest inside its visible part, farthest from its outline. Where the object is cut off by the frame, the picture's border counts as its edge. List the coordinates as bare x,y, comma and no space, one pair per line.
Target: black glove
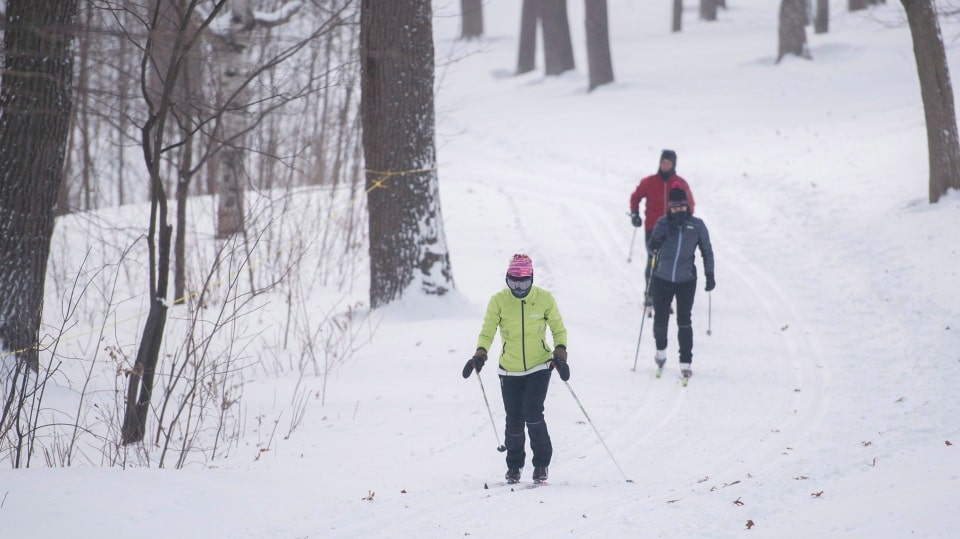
559,362
562,368
636,220
711,282
475,363
654,247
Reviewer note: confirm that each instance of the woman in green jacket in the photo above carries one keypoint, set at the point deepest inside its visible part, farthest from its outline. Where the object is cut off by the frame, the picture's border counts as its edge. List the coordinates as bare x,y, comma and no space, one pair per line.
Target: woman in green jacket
523,312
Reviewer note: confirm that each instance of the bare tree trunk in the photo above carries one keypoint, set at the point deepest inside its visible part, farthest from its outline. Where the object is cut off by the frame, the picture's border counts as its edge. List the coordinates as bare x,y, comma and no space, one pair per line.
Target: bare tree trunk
233,70
793,35
35,103
821,21
230,190
557,46
677,16
856,5
943,148
527,56
472,17
708,10
598,43
407,244
184,175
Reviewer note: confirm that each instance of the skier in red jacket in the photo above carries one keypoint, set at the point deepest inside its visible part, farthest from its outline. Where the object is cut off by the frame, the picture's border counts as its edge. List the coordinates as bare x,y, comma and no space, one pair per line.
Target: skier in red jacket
654,189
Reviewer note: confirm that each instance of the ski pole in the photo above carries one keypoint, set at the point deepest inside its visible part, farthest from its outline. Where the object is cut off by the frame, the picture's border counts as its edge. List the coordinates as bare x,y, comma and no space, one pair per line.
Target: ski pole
597,432
709,313
633,239
500,447
643,317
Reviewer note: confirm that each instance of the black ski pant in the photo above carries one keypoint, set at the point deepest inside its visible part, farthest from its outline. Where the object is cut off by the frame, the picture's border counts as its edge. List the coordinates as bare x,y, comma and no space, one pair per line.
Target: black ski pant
663,292
523,398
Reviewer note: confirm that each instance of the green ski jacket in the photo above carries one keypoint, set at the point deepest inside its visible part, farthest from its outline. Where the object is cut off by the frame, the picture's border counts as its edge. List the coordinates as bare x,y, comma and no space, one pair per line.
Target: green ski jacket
523,330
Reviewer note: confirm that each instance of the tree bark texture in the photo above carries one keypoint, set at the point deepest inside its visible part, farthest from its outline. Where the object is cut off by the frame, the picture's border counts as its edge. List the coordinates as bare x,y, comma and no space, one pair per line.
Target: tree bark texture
233,70
677,16
140,378
35,108
598,43
471,14
408,248
792,31
557,46
936,90
527,55
821,20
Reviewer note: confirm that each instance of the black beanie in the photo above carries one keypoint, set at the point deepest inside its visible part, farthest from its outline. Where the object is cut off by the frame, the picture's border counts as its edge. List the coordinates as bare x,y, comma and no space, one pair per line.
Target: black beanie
678,197
670,155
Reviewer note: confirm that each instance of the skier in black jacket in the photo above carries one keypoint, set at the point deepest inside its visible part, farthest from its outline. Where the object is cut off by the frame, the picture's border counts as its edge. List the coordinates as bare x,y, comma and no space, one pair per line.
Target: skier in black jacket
675,239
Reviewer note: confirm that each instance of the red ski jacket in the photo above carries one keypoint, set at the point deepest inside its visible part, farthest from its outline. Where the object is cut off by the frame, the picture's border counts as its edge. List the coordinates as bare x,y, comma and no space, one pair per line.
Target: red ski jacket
655,190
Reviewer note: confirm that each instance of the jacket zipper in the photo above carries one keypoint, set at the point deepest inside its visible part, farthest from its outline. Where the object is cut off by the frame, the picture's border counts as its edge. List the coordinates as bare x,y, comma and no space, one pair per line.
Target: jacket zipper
676,257
523,334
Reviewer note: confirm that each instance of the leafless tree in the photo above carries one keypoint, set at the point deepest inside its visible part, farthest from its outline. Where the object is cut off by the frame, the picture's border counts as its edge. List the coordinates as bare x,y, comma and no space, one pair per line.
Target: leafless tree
821,20
408,248
471,15
527,55
936,89
677,16
35,106
557,46
856,5
792,34
708,10
234,69
141,376
598,43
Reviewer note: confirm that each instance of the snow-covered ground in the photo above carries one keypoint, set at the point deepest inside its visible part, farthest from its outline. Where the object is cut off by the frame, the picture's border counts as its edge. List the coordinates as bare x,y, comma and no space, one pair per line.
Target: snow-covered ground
823,404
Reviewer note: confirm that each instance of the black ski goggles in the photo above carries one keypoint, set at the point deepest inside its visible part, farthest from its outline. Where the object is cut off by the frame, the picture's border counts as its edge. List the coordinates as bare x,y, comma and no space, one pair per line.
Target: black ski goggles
519,285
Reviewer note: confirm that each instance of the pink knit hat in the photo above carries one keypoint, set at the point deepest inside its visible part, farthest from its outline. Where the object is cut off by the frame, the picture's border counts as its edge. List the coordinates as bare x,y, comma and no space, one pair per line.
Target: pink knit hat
520,266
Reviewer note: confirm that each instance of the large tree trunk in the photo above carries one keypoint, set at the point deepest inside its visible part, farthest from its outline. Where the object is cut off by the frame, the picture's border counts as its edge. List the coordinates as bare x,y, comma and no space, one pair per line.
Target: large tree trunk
821,21
936,89
35,107
408,249
793,35
471,13
598,43
527,55
557,47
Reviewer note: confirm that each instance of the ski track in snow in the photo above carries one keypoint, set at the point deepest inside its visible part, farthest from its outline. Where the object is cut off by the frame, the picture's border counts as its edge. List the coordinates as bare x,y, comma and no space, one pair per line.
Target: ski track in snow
785,375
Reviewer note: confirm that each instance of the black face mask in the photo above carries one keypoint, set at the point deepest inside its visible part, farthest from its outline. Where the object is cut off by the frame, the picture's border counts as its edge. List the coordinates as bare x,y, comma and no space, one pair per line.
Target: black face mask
678,218
519,286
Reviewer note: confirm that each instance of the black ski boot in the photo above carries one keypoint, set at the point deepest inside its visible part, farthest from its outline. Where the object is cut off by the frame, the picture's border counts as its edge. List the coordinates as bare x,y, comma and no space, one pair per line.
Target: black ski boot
539,474
513,475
